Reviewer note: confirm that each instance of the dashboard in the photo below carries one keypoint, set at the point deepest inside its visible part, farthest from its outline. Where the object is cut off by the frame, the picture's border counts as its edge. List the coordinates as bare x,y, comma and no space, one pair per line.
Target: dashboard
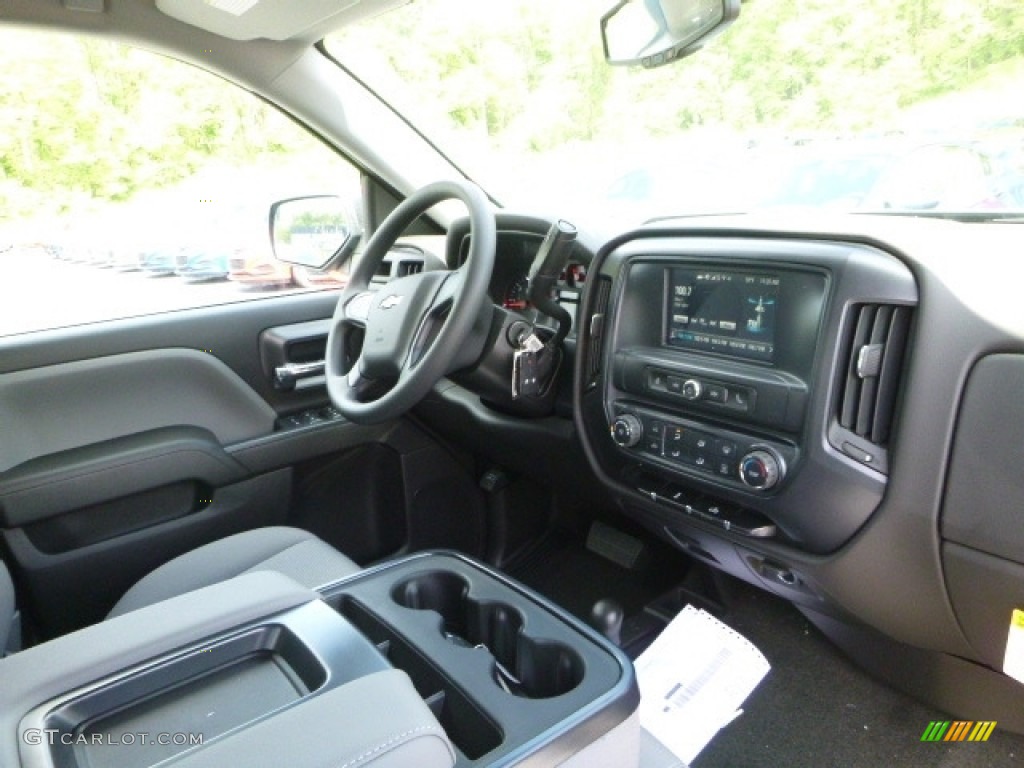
828,409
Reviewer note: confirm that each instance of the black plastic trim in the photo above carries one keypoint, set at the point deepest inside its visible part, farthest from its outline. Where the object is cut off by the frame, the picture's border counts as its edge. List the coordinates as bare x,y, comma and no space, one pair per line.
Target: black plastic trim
536,731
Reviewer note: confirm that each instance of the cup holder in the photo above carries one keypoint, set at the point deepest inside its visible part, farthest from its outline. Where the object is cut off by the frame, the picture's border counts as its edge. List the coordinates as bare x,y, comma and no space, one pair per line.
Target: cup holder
524,666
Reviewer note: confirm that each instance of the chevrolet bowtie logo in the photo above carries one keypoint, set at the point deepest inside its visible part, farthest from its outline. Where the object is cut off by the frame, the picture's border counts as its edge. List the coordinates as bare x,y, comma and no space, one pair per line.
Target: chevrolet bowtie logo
390,301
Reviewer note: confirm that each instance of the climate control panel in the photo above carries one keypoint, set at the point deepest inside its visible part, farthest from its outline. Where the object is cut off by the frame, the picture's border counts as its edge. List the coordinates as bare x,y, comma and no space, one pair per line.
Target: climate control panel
728,457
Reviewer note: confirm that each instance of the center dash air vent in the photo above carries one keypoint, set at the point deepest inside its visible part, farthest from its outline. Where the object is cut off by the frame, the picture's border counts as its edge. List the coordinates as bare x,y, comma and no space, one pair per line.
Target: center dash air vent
871,382
408,267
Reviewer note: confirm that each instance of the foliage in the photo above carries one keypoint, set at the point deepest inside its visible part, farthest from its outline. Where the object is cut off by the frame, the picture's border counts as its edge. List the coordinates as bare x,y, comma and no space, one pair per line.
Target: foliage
85,121
785,66
515,77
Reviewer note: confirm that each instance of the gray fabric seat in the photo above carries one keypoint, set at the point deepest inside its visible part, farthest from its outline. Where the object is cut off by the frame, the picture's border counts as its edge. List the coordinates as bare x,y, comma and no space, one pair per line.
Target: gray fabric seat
293,552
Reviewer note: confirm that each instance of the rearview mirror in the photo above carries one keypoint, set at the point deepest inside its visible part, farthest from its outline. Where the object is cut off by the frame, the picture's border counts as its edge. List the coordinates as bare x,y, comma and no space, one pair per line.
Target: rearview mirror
316,232
652,33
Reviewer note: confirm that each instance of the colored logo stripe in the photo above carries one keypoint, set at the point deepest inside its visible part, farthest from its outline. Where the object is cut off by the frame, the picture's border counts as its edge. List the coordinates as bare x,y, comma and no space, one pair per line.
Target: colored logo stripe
982,731
958,730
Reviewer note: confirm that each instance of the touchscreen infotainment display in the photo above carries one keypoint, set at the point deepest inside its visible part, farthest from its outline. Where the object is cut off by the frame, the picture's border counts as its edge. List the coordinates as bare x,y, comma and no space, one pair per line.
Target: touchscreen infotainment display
729,312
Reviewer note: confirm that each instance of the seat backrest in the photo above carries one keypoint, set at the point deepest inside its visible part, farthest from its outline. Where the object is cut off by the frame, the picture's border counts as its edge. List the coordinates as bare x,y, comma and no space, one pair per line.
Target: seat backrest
6,606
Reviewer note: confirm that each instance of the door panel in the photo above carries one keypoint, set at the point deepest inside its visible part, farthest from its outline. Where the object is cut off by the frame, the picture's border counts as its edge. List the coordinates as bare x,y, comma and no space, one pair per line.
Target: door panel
61,407
127,443
229,332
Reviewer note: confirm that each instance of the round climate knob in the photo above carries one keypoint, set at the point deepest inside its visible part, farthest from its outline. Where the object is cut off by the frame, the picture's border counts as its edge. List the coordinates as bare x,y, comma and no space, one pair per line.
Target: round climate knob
627,430
761,470
692,389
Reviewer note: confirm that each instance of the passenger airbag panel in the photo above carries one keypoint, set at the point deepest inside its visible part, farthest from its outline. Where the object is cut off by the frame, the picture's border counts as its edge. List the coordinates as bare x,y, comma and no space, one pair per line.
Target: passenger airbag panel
984,506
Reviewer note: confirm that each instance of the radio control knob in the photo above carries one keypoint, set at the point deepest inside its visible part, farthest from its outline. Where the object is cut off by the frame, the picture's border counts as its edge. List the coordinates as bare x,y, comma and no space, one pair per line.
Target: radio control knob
627,430
692,389
760,469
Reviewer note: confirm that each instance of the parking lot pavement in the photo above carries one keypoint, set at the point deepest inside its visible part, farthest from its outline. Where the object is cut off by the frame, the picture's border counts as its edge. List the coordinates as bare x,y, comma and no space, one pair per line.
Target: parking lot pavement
38,292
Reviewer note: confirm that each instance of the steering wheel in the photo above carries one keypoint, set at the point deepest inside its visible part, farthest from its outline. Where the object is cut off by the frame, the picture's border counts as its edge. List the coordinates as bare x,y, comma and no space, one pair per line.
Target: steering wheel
415,329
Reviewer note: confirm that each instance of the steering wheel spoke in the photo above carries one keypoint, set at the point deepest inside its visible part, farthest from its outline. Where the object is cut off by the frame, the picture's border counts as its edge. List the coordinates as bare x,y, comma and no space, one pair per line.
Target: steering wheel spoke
357,308
362,389
434,318
449,289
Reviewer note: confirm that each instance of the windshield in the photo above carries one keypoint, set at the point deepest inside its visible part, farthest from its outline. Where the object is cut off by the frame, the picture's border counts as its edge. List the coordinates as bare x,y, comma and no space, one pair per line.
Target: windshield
882,105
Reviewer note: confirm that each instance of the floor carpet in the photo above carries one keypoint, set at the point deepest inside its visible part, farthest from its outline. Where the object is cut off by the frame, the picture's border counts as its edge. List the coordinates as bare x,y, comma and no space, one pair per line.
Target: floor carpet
815,708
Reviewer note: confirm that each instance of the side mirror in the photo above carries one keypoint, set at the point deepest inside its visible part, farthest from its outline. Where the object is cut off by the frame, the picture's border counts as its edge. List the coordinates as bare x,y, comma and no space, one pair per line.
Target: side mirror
315,232
653,33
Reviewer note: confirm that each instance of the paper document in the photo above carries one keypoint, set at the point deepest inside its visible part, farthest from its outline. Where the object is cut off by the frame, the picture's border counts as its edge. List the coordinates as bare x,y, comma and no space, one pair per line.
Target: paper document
693,680
1013,660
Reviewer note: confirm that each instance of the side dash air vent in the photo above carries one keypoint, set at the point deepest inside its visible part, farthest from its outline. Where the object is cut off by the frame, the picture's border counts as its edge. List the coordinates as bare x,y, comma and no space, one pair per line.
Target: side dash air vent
868,391
597,328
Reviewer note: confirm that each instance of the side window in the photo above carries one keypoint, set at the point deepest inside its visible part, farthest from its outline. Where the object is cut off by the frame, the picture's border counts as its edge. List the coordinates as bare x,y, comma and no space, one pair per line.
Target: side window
133,184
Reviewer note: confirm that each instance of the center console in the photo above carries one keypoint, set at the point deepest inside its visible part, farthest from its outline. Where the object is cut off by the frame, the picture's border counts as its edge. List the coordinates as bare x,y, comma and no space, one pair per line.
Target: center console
735,345
737,392
507,674
711,373
434,649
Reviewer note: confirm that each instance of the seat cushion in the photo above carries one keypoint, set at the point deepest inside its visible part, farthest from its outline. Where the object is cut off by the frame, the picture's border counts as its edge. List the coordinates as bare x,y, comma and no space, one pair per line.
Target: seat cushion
296,553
